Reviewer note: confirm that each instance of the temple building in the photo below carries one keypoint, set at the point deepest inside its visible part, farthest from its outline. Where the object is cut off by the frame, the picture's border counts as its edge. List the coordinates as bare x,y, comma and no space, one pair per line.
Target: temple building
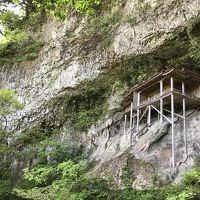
163,97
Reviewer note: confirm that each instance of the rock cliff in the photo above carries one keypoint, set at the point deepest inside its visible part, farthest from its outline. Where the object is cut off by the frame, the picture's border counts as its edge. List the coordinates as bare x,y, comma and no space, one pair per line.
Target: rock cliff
89,63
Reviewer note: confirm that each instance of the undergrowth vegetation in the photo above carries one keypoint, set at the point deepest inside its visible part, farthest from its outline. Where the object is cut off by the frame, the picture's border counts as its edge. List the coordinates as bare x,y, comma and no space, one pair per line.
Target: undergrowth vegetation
70,181
59,170
84,106
89,102
66,180
8,104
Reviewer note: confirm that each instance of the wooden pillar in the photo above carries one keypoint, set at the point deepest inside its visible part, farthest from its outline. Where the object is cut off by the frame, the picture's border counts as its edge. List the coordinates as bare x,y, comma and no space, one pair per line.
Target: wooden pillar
125,120
172,120
149,116
131,116
161,101
133,120
138,114
184,118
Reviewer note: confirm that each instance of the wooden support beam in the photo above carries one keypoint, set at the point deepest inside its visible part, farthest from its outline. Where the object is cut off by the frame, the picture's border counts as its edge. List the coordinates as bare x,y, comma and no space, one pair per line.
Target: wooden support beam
138,115
131,115
149,116
125,120
151,101
172,120
183,88
184,119
161,101
143,114
180,116
159,114
172,84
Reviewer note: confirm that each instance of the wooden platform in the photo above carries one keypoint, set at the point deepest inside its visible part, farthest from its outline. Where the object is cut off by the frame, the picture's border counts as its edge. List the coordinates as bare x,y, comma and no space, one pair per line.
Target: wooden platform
166,95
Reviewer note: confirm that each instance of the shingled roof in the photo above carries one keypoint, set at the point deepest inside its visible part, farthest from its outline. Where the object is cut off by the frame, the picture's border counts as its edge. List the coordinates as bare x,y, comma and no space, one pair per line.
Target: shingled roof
186,75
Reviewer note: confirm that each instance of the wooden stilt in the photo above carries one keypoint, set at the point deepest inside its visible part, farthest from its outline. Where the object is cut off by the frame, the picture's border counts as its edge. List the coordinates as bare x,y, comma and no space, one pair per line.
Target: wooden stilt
161,101
138,115
131,116
125,120
172,120
184,119
149,116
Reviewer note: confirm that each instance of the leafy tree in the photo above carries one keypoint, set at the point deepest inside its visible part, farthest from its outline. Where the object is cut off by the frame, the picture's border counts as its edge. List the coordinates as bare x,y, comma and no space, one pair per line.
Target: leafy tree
70,183
59,8
27,5
10,20
8,104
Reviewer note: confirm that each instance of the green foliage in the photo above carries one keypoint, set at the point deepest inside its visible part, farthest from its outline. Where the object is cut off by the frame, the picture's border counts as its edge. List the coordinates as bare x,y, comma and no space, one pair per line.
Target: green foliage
47,128
8,105
190,187
16,46
10,20
182,49
82,107
6,188
87,107
88,103
37,146
59,8
35,20
184,195
70,183
192,178
30,136
40,175
148,194
46,193
99,30
58,152
86,6
127,176
52,161
7,181
8,102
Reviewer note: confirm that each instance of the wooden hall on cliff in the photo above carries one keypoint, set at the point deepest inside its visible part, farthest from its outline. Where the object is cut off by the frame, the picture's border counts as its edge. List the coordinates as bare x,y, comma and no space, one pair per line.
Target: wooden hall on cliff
163,97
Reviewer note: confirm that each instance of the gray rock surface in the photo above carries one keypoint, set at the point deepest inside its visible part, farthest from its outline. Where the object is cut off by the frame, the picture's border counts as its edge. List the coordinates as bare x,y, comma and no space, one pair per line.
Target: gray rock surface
143,28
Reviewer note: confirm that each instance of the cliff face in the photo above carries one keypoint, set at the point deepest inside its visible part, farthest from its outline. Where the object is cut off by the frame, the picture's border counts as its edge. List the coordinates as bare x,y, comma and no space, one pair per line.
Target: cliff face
93,61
